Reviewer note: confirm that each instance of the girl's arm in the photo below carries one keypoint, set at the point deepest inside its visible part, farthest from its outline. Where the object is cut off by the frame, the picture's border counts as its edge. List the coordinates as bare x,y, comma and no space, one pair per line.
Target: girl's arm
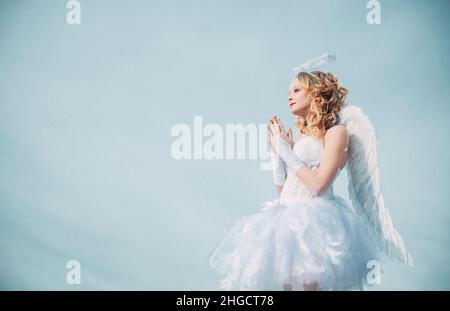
278,165
333,157
279,189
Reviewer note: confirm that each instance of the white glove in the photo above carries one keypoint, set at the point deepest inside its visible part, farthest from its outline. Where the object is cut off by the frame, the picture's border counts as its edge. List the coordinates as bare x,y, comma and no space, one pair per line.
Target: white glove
288,155
283,150
278,169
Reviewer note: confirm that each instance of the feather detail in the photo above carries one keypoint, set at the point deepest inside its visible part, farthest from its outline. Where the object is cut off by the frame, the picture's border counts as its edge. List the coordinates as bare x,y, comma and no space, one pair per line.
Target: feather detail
364,184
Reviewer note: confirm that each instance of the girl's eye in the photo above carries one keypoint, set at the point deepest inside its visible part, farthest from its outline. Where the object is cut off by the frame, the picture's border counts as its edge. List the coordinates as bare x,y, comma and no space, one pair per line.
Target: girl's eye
296,90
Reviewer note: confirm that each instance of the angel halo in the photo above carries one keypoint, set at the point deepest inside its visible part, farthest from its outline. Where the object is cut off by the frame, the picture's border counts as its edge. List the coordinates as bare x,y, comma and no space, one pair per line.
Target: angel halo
314,64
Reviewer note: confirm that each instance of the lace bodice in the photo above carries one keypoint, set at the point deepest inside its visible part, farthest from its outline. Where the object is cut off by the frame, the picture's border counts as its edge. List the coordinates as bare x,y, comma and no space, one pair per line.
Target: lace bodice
310,150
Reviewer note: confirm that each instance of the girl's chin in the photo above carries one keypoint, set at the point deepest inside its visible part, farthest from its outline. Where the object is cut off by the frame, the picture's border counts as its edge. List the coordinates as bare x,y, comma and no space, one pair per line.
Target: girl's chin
296,113
294,110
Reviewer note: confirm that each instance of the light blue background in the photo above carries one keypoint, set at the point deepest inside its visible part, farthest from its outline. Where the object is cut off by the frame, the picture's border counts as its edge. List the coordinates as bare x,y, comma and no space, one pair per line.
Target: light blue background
86,113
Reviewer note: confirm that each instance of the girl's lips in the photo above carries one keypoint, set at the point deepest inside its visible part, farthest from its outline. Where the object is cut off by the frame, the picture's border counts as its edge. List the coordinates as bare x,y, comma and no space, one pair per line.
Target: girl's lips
292,104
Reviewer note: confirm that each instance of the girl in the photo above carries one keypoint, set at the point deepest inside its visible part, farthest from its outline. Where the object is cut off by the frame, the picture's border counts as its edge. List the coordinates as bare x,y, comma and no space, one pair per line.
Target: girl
309,238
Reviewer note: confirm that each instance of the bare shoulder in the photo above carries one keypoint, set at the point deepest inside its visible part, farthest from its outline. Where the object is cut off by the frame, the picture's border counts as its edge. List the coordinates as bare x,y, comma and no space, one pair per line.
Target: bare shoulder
337,134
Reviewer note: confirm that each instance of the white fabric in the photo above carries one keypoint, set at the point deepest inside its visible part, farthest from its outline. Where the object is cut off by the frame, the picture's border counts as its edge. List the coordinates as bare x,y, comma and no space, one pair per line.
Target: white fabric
302,238
289,157
278,169
285,152
296,239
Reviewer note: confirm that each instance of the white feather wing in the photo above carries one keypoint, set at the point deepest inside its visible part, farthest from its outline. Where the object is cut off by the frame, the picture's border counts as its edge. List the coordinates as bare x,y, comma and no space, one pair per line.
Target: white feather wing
364,183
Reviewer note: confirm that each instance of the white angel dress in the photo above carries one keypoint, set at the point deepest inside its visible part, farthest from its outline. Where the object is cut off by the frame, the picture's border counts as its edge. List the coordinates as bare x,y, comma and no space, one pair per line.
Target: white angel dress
303,239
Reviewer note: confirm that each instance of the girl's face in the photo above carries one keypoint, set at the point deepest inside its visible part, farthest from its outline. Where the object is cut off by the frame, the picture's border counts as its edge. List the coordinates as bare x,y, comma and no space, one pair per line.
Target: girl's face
298,99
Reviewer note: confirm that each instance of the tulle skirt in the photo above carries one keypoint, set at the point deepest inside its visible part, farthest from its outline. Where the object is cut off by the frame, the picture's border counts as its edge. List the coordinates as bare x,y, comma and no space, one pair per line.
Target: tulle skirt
314,243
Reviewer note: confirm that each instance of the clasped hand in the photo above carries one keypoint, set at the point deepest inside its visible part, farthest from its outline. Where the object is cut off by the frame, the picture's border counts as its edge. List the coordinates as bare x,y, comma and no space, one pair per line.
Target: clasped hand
275,133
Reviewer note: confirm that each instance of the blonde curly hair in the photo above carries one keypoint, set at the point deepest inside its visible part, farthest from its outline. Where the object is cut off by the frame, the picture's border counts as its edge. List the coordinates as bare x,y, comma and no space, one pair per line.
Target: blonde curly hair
328,98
